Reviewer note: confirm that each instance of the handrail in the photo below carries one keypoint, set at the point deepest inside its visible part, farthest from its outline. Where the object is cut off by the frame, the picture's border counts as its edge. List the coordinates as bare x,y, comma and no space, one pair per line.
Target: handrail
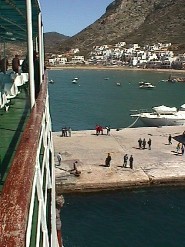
25,182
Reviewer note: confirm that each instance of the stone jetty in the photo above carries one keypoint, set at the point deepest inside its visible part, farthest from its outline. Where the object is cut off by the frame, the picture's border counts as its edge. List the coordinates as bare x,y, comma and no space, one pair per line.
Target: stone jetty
160,165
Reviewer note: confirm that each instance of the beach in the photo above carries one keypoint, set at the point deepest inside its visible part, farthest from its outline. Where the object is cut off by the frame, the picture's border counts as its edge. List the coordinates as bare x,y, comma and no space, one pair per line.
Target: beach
161,165
91,67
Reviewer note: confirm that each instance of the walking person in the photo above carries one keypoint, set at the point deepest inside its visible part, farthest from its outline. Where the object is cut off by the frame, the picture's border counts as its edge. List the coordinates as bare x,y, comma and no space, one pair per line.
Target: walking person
108,160
170,139
59,158
149,144
125,159
131,160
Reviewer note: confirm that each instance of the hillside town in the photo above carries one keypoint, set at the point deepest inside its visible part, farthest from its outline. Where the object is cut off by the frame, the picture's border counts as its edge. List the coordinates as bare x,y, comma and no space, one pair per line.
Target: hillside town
157,56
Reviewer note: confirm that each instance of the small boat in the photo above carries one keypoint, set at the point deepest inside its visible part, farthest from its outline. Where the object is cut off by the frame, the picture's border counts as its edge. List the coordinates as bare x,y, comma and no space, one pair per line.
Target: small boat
74,81
146,85
51,81
162,116
118,84
106,78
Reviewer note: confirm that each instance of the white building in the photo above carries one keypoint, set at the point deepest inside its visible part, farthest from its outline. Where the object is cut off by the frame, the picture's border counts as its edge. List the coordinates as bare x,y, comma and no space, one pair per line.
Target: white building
78,59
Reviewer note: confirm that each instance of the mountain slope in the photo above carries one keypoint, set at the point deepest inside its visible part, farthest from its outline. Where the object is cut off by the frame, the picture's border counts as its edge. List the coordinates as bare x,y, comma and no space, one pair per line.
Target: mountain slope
134,21
53,41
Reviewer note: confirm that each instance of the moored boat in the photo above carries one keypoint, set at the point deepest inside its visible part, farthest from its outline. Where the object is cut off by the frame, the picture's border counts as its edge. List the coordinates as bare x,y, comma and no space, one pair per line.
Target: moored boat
163,116
146,85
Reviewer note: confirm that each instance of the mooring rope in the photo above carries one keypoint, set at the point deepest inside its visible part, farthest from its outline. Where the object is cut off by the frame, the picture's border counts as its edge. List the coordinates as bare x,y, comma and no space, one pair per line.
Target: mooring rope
131,124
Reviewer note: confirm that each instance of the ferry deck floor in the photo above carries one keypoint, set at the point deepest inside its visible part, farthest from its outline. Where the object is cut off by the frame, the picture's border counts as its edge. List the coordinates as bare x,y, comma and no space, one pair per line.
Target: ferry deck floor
12,124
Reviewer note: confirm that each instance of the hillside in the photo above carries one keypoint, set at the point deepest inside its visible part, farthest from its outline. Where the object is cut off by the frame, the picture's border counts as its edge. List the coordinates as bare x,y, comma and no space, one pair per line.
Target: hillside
53,41
134,21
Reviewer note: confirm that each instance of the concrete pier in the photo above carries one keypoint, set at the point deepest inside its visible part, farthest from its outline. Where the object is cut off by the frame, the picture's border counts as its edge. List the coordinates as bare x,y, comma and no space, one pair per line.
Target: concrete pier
160,165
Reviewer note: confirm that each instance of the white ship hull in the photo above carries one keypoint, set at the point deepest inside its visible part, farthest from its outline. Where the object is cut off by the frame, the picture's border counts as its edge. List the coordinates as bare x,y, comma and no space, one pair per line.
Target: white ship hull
155,122
163,116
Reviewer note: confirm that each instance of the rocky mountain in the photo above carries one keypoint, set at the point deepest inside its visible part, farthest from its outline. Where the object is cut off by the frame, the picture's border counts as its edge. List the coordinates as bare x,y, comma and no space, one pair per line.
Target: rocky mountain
53,41
134,21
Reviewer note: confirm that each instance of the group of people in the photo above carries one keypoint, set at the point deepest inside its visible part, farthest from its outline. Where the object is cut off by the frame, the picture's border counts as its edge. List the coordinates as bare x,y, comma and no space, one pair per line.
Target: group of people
16,67
142,143
99,130
66,131
125,160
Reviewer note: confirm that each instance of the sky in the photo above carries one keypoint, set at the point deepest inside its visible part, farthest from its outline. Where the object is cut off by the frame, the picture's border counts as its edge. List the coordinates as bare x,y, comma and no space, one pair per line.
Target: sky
69,17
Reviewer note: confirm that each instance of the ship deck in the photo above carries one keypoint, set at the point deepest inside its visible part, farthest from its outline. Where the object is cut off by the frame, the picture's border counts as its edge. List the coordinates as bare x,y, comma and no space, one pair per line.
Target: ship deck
12,124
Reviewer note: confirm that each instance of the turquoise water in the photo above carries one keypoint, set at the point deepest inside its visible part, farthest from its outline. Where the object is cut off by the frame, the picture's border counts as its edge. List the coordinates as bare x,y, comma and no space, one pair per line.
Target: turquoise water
133,218
97,101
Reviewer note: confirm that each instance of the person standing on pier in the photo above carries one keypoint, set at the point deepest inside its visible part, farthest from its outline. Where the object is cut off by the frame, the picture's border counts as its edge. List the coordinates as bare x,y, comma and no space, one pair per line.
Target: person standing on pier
59,158
125,158
149,144
69,131
144,143
108,160
170,139
108,130
140,143
131,160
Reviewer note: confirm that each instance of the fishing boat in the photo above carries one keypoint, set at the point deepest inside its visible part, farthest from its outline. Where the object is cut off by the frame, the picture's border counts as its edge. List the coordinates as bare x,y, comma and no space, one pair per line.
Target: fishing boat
27,176
162,116
146,85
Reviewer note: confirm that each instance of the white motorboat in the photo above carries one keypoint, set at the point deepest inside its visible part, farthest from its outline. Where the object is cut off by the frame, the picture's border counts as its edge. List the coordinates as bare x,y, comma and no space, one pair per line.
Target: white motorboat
163,116
51,81
146,85
75,80
118,84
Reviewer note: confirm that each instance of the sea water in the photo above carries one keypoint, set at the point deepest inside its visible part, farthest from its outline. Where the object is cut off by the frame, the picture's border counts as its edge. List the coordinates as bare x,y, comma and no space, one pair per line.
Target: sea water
94,100
152,217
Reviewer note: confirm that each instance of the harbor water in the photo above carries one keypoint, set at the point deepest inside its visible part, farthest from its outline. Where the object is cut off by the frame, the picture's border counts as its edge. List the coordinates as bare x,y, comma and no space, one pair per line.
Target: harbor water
143,217
94,100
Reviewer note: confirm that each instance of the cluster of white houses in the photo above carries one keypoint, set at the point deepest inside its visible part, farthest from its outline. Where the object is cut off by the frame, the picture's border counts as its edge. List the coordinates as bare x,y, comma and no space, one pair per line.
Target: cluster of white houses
121,54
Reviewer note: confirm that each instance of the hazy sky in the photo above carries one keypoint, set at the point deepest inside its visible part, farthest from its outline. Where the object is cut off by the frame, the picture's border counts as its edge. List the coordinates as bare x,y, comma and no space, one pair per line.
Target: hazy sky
69,17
